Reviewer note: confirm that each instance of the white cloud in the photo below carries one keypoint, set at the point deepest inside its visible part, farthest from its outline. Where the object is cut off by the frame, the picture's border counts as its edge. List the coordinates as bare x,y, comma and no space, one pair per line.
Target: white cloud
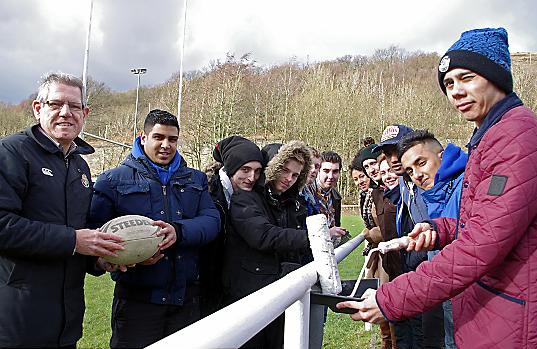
37,36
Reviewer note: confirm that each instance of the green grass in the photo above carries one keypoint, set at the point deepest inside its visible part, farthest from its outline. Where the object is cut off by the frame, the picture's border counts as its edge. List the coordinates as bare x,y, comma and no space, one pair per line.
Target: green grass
340,330
99,292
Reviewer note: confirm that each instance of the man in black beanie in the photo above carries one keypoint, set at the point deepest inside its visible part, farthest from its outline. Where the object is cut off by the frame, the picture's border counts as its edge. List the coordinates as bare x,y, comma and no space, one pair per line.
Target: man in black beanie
239,165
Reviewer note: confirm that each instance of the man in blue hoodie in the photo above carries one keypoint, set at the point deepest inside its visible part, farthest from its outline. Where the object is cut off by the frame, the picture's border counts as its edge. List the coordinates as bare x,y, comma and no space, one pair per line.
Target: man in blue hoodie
159,296
439,172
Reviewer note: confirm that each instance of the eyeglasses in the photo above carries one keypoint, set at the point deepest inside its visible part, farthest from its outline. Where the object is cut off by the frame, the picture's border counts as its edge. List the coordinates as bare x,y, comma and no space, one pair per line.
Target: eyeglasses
57,105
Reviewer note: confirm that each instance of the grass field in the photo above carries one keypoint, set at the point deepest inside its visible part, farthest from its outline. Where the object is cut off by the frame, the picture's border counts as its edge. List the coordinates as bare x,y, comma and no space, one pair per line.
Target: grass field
340,330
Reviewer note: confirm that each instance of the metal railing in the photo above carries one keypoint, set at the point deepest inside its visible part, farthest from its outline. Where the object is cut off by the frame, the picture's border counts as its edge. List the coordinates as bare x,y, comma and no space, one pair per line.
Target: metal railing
235,324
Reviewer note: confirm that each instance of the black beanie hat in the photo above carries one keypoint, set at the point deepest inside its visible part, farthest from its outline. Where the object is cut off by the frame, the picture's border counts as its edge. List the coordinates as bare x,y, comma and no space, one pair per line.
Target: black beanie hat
483,51
235,151
369,152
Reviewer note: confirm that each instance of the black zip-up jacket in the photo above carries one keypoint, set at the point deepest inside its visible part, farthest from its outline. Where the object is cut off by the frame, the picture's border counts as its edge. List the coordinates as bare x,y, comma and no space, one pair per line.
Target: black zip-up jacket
267,232
44,197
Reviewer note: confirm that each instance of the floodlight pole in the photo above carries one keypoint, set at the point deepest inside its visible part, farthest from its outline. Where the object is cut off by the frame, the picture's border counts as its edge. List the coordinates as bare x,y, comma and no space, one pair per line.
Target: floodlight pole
180,97
138,72
86,58
85,69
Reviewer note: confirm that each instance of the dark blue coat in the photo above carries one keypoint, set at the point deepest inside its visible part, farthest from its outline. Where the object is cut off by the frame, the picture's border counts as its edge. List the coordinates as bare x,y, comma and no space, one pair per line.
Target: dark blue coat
44,197
135,188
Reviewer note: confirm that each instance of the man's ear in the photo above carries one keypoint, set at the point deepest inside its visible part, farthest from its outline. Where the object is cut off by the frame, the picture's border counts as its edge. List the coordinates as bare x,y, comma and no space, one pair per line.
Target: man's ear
440,154
86,112
143,138
36,108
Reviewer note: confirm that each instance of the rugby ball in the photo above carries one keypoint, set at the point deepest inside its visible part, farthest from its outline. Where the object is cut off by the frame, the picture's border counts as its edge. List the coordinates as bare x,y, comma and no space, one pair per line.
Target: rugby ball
139,238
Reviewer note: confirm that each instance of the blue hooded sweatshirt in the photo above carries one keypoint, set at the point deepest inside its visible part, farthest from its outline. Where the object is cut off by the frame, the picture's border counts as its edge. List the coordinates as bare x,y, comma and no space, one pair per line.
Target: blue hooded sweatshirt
443,199
164,174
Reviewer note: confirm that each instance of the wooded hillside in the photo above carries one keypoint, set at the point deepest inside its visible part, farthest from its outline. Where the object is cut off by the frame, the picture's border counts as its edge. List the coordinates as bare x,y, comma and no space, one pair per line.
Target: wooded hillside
330,105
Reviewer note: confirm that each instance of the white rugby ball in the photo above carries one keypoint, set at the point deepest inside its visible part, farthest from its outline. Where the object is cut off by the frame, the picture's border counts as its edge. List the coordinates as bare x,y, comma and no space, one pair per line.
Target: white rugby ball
139,238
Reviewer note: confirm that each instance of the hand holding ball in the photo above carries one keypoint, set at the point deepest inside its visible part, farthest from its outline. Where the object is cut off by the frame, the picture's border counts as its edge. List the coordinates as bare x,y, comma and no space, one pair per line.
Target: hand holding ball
139,238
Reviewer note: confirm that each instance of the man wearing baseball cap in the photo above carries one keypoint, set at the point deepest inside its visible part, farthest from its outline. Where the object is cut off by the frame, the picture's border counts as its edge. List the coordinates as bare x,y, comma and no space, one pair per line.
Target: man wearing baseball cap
388,145
487,262
423,329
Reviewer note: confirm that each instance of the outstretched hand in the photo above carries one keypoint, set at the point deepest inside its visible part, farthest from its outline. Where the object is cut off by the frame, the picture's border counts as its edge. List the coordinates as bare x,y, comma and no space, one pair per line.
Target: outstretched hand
423,237
170,236
110,267
96,243
337,232
368,309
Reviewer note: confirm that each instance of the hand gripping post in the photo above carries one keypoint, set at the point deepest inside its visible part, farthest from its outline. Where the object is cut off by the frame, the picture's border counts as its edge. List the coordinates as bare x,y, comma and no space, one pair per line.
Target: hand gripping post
323,254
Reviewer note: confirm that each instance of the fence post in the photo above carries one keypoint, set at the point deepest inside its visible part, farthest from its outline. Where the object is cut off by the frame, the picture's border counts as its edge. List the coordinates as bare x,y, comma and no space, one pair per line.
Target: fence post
297,323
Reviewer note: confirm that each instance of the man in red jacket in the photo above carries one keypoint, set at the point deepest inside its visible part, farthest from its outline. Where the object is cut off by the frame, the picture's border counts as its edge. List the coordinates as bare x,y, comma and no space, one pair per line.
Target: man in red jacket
488,262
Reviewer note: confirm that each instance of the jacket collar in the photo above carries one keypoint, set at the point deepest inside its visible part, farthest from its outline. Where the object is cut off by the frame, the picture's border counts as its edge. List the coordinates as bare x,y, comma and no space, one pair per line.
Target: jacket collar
49,145
494,116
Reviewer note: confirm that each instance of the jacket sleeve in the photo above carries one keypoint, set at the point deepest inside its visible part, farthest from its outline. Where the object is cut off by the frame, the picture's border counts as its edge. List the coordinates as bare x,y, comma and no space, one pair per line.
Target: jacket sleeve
103,205
20,236
205,227
494,224
447,230
250,221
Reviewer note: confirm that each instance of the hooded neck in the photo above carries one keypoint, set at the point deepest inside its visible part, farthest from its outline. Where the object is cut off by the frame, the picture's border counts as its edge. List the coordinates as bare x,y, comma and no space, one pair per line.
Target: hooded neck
453,163
164,173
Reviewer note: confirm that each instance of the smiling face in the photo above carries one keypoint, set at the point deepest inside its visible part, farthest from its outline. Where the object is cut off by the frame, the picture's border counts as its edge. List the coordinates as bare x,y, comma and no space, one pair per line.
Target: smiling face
389,178
360,179
329,174
288,176
160,144
246,176
471,94
421,162
314,170
61,115
371,167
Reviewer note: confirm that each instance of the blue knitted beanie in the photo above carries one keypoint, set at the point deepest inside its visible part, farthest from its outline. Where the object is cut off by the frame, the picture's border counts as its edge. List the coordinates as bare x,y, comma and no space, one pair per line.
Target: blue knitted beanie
483,51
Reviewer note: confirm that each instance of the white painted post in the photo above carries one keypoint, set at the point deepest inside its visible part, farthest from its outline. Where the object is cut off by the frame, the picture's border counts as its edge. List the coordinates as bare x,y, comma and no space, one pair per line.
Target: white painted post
297,324
323,254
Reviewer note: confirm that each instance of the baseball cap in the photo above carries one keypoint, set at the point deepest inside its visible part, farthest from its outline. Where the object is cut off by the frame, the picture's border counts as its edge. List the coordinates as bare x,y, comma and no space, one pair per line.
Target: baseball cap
392,135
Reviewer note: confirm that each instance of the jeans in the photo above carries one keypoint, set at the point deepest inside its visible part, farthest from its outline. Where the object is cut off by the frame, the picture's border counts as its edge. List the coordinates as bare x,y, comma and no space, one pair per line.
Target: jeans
448,325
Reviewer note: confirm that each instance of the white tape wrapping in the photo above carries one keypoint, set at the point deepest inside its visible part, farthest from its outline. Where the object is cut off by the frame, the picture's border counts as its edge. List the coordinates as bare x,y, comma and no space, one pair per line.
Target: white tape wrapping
323,253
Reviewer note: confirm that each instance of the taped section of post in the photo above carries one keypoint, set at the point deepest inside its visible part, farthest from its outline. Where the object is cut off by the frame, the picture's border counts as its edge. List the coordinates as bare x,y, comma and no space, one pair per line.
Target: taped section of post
323,253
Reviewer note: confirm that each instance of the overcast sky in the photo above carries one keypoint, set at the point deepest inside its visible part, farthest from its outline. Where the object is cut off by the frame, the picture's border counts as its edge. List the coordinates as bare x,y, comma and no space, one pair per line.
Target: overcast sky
37,36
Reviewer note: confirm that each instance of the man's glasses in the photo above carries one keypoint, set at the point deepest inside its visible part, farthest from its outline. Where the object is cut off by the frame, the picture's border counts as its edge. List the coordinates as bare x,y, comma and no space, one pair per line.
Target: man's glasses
57,105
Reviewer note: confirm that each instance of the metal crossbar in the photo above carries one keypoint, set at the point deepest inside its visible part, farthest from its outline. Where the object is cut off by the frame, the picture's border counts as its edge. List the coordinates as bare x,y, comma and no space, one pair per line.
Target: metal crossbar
237,323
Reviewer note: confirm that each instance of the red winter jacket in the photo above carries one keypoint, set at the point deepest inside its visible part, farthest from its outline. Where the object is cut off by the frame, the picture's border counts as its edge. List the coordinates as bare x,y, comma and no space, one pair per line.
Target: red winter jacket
490,270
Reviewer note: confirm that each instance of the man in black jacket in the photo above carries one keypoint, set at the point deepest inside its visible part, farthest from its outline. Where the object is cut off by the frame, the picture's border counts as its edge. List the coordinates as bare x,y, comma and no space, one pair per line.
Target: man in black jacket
268,231
45,197
239,165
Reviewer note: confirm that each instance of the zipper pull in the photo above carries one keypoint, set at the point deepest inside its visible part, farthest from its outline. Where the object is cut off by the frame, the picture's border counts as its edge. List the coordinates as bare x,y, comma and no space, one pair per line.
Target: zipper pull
164,190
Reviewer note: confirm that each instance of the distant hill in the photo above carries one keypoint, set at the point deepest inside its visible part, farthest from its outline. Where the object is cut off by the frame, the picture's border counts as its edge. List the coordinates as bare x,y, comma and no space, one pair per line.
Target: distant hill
524,57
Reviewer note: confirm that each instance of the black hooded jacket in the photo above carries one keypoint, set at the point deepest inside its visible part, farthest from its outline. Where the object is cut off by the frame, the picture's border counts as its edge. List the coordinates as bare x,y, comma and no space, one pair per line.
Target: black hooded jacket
44,197
268,230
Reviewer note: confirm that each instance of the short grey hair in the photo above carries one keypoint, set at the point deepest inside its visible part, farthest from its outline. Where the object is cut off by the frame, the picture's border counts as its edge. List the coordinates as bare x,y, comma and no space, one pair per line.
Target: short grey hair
58,78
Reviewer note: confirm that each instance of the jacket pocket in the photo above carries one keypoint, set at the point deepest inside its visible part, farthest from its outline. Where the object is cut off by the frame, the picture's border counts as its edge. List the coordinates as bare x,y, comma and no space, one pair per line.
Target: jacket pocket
134,198
253,276
259,268
501,294
188,197
497,317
